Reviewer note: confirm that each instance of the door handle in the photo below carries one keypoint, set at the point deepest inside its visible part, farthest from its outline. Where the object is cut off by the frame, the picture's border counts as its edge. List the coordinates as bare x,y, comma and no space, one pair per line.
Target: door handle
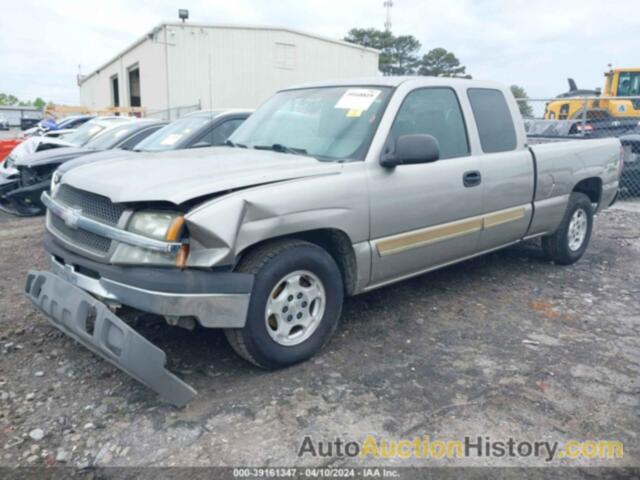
471,178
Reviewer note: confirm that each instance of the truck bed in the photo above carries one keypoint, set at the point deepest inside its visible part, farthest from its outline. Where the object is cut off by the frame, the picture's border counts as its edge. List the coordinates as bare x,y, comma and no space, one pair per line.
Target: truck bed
559,162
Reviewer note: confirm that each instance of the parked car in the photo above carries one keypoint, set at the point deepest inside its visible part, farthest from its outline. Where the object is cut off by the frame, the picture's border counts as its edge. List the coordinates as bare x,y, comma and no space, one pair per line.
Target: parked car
4,123
35,170
63,128
197,130
9,175
327,190
50,128
6,146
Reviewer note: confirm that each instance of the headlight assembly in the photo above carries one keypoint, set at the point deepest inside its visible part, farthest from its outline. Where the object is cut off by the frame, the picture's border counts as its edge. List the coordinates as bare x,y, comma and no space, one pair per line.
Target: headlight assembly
158,224
154,224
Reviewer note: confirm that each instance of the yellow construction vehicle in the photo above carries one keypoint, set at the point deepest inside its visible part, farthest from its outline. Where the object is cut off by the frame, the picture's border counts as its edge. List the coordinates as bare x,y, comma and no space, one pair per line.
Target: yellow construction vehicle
619,82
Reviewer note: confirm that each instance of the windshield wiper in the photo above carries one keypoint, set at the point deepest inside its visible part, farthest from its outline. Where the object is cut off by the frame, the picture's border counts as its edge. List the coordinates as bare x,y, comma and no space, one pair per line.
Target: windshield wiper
278,147
229,143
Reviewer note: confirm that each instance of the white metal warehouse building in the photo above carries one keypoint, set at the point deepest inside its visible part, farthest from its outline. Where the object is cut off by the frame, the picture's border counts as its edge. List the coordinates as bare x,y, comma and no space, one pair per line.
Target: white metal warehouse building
219,66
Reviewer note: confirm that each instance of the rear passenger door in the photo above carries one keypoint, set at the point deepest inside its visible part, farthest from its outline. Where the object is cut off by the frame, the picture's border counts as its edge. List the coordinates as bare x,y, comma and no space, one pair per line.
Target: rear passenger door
506,167
424,215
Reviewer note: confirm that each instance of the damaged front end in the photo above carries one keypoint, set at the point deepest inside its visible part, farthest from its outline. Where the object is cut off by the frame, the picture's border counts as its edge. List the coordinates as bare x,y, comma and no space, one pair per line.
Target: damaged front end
106,255
20,196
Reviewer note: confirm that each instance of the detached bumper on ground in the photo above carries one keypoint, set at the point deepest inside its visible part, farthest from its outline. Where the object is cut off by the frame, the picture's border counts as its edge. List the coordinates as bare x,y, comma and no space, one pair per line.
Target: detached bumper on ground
92,324
72,297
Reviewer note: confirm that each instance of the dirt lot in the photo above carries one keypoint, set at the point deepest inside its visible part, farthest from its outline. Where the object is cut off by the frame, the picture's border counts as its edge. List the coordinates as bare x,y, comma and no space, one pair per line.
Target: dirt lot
505,345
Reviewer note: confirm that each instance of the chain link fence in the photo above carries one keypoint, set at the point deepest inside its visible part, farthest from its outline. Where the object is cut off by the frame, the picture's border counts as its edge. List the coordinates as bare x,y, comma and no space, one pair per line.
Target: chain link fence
577,118
174,113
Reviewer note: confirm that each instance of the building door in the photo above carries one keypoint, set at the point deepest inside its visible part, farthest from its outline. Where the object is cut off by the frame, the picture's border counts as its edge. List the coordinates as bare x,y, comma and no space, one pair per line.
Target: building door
115,91
134,87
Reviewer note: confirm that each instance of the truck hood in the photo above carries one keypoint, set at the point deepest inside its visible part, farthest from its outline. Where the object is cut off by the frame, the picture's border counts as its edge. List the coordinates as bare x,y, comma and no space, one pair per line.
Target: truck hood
51,156
183,175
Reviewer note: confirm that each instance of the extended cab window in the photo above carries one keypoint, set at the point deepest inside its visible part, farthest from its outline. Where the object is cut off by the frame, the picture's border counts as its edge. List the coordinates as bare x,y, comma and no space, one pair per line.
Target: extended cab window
433,111
493,119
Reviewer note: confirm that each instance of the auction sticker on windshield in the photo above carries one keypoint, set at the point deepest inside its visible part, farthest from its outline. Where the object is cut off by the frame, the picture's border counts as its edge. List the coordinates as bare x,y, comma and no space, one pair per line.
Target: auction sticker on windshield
357,98
171,139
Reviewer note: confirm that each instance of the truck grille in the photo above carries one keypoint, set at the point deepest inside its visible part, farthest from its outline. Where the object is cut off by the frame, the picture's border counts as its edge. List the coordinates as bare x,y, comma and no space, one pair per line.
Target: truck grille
91,205
81,238
95,206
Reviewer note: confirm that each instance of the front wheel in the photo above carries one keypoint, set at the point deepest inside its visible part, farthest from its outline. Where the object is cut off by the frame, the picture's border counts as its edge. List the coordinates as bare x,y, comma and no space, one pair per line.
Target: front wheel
570,241
295,303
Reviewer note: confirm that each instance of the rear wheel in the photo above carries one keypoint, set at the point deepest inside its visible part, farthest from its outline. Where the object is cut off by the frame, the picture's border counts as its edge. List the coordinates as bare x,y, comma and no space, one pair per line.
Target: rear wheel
295,303
570,241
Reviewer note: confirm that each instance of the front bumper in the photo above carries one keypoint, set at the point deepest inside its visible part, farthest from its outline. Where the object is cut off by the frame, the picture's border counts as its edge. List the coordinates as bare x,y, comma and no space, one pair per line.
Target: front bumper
216,299
76,294
91,323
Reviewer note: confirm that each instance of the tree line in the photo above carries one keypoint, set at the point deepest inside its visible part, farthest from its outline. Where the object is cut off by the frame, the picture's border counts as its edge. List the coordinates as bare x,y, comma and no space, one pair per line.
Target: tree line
400,55
13,101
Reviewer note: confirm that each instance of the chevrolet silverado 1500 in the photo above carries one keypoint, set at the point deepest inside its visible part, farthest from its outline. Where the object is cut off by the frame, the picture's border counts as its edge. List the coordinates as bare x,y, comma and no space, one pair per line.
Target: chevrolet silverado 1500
327,190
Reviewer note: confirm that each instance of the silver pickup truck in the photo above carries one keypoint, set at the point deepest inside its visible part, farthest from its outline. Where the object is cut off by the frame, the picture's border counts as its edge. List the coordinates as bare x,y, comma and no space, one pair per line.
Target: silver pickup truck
327,190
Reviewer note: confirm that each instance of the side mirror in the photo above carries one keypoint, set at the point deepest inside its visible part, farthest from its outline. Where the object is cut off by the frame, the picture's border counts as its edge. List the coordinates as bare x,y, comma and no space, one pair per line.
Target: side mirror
411,149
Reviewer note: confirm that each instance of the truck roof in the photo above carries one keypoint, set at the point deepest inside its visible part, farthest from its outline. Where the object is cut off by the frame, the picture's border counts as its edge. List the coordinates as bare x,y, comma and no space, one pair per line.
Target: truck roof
392,81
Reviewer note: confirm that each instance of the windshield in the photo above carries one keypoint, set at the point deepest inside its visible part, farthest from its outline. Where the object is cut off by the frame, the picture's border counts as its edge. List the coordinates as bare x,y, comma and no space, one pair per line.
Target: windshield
167,138
629,84
334,123
110,138
84,133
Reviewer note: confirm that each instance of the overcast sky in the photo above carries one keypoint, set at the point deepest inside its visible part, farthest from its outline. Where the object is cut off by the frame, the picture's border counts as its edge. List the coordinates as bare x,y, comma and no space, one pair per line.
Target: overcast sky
536,44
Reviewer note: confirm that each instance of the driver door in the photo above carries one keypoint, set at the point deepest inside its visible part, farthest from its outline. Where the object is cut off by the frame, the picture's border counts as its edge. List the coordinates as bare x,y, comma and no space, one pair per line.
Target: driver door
428,214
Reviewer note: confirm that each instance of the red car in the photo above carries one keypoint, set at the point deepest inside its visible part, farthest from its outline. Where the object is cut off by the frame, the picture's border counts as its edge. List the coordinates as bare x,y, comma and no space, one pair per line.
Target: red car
7,145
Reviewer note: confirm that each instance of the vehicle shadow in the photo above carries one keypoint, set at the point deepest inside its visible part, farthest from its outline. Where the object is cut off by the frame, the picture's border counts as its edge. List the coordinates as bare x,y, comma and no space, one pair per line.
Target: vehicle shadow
205,360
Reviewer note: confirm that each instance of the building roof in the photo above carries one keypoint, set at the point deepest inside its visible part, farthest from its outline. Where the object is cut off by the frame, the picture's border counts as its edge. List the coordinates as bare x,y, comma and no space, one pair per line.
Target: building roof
150,33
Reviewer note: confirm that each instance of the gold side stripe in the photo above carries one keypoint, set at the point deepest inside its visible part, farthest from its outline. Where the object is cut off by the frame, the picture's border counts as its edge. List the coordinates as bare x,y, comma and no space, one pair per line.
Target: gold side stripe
426,236
504,216
438,233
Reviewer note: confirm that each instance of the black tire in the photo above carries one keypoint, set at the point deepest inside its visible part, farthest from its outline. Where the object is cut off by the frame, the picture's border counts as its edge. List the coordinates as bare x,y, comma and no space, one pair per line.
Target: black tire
270,263
556,246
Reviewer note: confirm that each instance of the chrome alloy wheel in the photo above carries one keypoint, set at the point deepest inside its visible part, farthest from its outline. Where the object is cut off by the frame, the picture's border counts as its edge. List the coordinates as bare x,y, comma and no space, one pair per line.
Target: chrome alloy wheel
295,308
577,229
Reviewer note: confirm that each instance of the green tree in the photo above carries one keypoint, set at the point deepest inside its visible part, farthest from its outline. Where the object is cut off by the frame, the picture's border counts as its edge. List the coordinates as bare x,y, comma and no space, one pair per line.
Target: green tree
10,100
7,99
439,62
519,93
398,55
403,55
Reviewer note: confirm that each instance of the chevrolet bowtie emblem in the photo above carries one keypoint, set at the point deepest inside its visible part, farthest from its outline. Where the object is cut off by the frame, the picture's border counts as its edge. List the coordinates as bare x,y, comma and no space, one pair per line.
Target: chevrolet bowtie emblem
71,217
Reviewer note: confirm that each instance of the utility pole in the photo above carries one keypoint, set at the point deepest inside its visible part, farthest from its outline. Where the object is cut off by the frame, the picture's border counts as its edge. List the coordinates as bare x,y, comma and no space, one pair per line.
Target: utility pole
387,5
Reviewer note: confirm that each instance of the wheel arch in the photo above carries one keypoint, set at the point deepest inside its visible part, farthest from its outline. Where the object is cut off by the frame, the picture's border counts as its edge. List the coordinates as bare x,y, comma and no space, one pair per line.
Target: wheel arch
334,241
591,187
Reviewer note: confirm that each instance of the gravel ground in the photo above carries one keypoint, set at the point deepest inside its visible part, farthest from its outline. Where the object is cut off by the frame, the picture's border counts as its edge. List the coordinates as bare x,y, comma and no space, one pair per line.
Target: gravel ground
503,345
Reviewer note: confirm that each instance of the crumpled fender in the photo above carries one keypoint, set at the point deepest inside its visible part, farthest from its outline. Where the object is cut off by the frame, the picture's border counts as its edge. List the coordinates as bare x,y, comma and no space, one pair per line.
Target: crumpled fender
222,228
